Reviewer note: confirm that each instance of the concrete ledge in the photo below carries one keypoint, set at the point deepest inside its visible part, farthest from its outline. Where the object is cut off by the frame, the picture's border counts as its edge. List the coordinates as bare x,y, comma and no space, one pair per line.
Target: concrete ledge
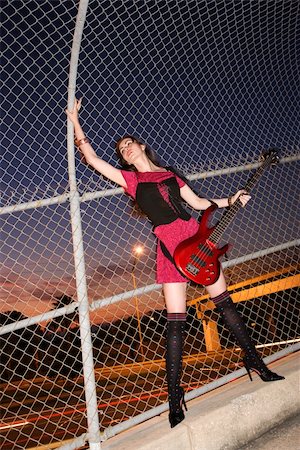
224,419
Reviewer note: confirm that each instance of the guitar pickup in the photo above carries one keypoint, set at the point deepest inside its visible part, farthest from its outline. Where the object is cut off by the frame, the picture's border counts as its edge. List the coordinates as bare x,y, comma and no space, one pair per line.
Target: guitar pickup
192,269
198,260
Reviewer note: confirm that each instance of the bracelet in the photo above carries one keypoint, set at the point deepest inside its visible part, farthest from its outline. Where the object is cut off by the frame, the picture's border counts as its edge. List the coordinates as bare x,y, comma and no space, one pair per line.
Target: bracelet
82,141
230,201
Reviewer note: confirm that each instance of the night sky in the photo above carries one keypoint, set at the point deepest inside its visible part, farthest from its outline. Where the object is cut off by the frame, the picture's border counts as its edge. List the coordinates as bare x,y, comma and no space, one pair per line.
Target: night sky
206,84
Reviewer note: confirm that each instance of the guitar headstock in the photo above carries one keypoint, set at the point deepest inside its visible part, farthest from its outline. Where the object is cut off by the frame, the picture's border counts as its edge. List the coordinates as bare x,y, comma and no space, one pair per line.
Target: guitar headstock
271,155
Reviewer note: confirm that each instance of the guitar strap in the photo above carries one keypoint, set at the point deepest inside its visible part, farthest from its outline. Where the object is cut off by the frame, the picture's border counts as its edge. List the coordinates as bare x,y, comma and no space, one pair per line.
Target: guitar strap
170,257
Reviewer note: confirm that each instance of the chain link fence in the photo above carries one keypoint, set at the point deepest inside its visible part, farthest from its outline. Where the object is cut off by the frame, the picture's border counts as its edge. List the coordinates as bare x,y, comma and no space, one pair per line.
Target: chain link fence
209,85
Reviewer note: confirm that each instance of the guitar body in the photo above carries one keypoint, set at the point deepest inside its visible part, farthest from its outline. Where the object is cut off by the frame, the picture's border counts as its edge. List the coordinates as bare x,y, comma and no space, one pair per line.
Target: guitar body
197,257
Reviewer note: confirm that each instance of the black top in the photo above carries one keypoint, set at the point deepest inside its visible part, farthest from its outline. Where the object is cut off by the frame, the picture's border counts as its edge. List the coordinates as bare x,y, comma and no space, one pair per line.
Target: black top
161,202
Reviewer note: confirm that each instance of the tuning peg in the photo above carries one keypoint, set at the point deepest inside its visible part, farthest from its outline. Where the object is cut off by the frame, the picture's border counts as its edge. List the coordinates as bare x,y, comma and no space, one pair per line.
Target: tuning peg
271,155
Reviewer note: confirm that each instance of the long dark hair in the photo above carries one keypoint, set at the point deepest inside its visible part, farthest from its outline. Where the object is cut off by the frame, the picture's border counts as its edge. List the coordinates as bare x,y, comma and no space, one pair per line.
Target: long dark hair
148,151
136,210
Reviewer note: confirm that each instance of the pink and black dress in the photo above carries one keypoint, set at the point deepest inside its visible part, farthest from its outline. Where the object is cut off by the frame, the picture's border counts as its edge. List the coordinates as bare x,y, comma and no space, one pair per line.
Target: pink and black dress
158,196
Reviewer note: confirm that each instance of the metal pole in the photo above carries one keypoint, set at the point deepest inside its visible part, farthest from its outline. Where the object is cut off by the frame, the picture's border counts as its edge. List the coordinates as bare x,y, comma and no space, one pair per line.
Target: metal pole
137,308
81,285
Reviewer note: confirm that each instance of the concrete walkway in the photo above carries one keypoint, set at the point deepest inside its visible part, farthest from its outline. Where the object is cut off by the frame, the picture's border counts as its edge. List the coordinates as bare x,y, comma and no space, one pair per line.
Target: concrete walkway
227,418
285,436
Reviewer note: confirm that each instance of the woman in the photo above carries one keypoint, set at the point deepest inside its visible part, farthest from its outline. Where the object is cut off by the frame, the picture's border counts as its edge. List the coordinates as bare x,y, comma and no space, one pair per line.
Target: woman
159,192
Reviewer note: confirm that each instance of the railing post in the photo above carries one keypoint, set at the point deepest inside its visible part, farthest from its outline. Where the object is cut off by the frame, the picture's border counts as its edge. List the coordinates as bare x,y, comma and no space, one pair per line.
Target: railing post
78,250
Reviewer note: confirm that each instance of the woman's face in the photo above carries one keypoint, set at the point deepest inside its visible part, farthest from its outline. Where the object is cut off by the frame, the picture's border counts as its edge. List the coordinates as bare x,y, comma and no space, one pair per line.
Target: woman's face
130,150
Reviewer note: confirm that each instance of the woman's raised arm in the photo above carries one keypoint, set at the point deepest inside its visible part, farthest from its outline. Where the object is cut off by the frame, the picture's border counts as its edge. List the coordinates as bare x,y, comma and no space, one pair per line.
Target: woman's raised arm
85,148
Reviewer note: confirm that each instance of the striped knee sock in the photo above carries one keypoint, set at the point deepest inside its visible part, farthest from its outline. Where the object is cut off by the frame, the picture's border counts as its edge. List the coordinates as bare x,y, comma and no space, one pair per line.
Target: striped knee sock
234,322
174,350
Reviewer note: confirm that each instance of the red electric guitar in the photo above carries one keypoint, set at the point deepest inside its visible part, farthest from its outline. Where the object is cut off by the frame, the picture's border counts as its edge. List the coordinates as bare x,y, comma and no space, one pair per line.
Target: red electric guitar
198,257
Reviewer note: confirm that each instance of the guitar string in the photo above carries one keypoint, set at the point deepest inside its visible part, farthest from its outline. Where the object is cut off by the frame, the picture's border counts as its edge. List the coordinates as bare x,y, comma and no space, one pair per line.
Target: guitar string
249,186
234,209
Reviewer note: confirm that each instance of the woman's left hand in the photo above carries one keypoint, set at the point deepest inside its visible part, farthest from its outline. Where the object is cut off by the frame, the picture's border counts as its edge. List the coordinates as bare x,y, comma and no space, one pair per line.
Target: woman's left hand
242,196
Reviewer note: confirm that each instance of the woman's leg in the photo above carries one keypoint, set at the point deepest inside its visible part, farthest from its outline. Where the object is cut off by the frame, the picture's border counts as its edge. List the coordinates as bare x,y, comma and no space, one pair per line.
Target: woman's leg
234,322
229,314
175,298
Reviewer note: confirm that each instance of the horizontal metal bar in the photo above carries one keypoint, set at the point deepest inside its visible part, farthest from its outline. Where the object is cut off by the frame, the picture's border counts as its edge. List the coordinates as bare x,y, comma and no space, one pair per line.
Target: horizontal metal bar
260,253
37,319
116,429
154,287
230,170
75,443
35,204
101,303
89,196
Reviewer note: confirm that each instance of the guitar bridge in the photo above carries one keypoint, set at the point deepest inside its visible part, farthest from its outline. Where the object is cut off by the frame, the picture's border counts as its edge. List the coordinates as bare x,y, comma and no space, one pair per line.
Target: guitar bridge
193,270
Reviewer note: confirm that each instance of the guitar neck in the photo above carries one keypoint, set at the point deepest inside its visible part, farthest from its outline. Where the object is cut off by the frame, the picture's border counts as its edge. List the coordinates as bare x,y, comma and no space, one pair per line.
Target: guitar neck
231,213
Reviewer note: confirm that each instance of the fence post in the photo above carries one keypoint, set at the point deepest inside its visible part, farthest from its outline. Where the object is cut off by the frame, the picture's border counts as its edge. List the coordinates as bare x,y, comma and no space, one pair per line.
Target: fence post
78,250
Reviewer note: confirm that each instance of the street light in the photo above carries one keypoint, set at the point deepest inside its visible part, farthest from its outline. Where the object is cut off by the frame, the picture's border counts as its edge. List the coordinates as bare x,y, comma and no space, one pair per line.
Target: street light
137,251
